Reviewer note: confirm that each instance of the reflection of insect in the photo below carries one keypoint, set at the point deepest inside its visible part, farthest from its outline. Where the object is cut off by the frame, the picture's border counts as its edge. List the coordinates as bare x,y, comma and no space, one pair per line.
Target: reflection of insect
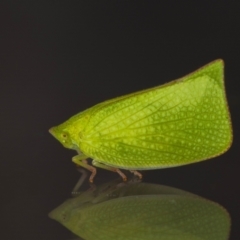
117,210
181,122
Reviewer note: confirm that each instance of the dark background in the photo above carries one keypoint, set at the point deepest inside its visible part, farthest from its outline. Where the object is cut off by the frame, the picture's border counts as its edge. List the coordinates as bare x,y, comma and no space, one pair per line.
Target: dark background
58,58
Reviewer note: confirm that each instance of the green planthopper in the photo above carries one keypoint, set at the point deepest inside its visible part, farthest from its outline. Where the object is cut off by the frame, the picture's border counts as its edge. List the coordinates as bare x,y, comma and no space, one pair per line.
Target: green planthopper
178,123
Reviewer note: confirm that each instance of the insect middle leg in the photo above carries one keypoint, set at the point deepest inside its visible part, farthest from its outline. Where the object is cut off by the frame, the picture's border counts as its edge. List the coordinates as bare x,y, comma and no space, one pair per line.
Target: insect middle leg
136,173
113,169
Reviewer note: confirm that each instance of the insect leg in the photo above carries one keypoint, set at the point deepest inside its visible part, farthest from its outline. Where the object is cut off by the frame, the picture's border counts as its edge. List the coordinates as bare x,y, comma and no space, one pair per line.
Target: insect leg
79,183
80,160
113,169
136,173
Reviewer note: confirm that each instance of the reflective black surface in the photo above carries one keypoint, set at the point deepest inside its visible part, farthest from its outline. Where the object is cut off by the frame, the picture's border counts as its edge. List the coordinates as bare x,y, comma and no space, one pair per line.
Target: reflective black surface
138,210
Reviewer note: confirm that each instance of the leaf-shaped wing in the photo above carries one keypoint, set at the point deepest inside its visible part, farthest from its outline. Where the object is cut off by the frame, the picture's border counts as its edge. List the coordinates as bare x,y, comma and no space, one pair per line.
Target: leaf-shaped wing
178,123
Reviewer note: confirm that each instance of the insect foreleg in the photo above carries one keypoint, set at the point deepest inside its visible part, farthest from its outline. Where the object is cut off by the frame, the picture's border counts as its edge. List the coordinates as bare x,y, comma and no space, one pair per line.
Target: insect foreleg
80,160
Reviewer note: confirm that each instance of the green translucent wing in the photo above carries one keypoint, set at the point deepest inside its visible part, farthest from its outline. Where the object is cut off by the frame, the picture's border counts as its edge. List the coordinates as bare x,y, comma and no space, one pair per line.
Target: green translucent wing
178,123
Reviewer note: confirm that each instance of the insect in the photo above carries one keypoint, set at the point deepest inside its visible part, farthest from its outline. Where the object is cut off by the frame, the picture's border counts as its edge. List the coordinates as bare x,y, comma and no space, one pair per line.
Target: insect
142,211
178,123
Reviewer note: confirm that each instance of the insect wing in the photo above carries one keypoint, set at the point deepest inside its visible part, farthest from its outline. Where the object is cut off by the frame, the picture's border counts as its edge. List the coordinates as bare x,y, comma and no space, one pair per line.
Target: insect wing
181,122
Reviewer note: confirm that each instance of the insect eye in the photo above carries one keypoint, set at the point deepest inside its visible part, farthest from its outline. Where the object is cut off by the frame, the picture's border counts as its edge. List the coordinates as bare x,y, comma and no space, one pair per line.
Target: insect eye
64,135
